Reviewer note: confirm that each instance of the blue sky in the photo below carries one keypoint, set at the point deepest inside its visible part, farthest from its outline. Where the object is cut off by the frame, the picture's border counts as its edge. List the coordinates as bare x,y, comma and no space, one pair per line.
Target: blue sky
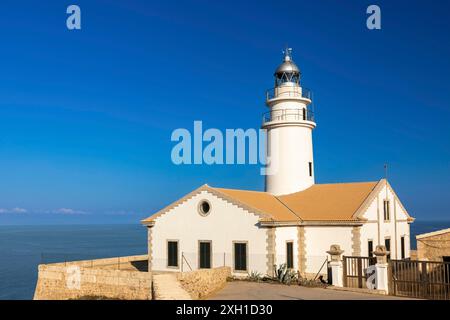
86,116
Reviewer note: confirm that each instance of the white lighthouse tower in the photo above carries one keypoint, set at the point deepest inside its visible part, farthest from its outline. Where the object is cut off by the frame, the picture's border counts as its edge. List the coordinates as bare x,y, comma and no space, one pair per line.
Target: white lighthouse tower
289,125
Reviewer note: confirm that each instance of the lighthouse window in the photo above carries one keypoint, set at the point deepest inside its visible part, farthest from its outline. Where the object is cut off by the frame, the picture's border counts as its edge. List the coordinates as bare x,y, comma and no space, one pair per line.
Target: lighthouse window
204,207
310,169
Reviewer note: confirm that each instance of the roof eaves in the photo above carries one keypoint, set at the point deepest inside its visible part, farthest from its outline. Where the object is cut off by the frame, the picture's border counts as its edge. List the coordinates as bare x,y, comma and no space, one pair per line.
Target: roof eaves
163,211
264,215
351,222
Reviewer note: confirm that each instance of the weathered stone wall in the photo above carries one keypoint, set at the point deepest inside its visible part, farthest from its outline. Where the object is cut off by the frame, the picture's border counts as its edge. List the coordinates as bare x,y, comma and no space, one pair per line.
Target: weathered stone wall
202,283
114,278
433,248
131,263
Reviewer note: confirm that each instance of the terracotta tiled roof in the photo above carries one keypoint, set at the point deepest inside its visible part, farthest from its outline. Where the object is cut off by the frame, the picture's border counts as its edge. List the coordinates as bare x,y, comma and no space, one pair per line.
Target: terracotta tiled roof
337,201
262,201
320,202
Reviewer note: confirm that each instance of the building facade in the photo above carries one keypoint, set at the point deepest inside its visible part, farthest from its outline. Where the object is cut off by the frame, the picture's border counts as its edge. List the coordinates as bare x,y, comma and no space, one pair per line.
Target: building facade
434,246
294,221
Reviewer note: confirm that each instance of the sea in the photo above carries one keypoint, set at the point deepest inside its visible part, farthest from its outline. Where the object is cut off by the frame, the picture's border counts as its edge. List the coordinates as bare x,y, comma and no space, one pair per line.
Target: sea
23,248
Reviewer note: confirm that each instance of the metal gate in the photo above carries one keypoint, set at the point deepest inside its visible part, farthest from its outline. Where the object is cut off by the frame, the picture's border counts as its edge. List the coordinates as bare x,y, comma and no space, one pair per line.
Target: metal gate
420,279
355,270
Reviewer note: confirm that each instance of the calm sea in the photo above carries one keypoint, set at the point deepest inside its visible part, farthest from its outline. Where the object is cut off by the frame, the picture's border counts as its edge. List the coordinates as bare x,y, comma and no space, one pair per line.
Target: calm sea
22,248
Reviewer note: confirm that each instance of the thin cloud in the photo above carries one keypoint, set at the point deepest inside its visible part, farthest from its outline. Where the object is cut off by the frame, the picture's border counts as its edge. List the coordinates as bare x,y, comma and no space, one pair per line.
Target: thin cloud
124,213
68,211
13,210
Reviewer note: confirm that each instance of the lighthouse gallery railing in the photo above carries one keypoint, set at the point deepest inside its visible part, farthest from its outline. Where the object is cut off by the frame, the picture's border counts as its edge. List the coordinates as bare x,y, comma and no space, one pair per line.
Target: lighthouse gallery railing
295,91
304,114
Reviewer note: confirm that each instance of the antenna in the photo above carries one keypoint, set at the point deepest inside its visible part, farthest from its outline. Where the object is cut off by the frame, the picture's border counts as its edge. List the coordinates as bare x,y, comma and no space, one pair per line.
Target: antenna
287,53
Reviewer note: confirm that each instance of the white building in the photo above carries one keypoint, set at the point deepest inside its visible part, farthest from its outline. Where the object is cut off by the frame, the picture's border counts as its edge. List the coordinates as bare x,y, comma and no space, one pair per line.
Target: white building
294,221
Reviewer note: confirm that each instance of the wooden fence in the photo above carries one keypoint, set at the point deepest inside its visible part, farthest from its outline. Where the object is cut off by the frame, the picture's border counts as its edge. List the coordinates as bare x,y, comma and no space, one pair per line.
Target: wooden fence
420,279
355,270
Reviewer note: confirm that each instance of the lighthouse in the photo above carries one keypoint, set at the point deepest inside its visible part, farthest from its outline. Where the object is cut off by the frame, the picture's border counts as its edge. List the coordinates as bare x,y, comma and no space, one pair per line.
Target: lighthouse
289,124
282,224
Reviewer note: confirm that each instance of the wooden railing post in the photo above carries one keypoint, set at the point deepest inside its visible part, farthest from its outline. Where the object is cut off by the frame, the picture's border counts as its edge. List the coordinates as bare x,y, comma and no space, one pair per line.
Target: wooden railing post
359,272
344,282
424,280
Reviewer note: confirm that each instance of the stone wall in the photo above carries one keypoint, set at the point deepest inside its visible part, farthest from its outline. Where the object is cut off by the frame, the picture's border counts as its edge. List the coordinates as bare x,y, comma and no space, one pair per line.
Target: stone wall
434,247
130,263
113,278
202,283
